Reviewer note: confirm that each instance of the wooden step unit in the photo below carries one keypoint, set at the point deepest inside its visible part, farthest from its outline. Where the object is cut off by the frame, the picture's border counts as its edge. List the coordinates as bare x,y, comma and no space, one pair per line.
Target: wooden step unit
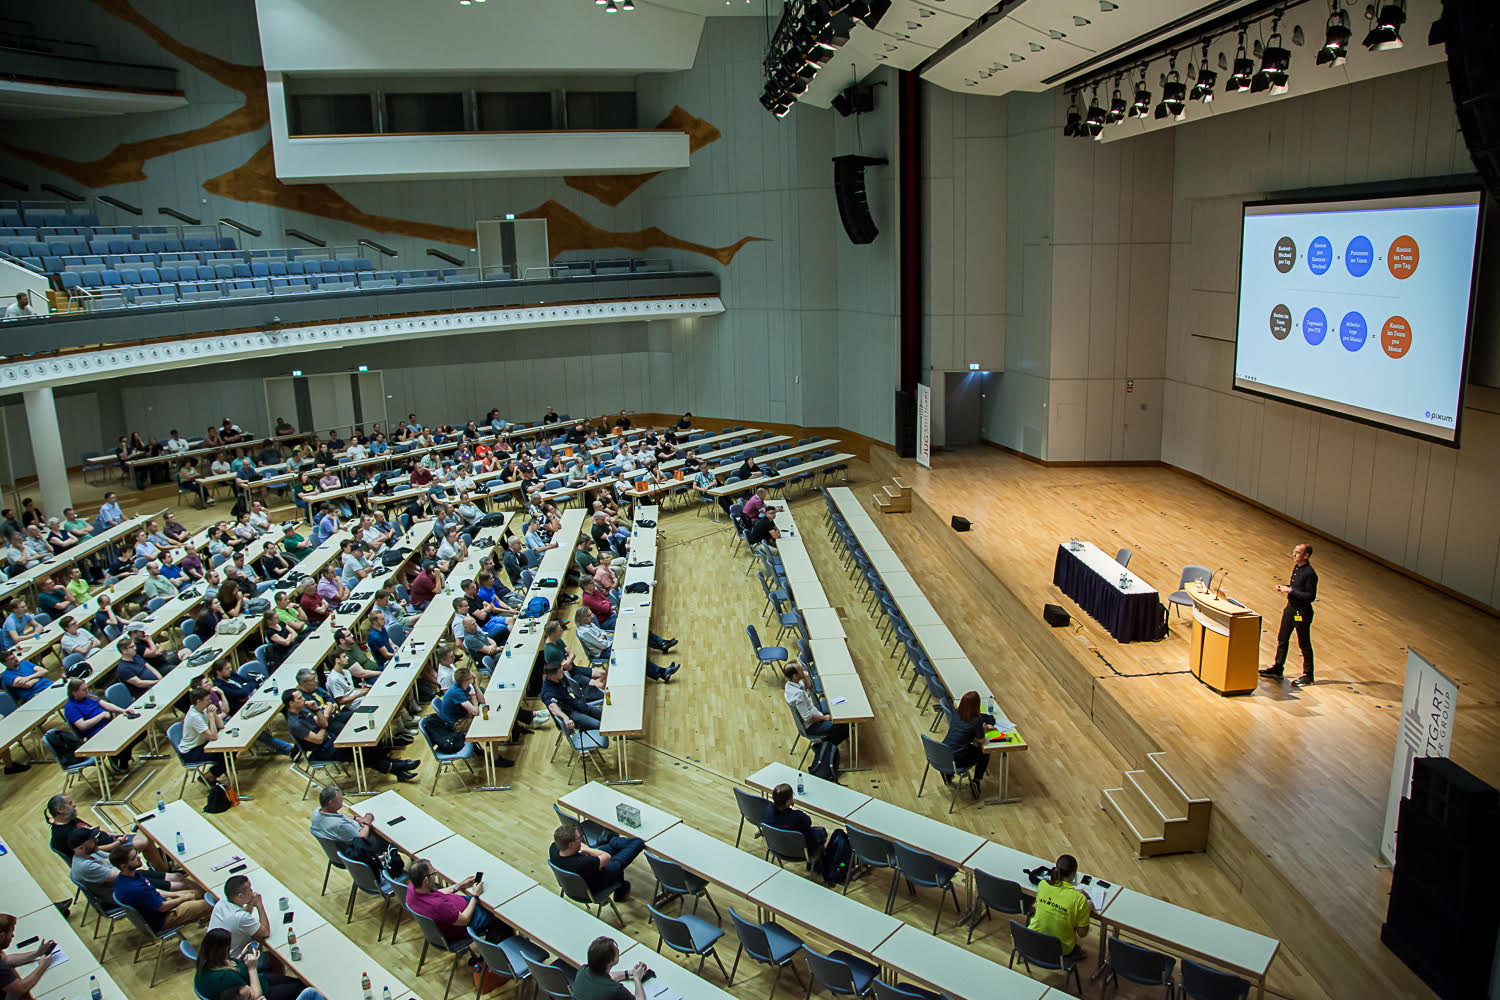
1157,812
894,499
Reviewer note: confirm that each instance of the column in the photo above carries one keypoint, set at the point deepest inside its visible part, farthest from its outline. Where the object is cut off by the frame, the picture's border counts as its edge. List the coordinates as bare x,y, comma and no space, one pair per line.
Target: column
46,450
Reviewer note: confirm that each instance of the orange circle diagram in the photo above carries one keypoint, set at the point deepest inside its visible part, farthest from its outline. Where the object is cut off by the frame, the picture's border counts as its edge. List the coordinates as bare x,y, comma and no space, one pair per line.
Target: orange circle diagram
1395,337
1402,257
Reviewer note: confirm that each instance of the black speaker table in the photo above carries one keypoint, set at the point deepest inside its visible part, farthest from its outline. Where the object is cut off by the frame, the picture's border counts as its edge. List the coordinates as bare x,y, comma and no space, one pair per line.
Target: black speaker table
1092,578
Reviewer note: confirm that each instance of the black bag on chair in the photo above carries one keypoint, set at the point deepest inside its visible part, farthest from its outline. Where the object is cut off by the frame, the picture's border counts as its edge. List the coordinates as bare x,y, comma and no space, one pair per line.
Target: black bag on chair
825,761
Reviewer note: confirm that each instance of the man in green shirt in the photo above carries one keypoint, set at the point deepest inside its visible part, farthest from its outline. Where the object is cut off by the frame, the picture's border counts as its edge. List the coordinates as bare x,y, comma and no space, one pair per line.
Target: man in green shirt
78,587
596,981
1062,910
584,556
295,545
75,525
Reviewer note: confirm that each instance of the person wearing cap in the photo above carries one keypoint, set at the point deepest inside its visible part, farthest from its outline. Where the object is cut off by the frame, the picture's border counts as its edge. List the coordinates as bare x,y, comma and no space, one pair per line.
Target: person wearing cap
90,865
158,656
293,543
354,562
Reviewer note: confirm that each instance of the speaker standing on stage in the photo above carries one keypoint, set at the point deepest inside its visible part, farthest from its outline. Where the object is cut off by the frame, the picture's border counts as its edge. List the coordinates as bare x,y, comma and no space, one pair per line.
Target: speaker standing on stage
1300,593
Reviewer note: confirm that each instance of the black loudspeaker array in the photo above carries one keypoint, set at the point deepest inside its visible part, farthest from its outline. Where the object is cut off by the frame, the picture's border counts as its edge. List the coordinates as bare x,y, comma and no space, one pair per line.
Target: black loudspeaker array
1471,29
854,207
1442,920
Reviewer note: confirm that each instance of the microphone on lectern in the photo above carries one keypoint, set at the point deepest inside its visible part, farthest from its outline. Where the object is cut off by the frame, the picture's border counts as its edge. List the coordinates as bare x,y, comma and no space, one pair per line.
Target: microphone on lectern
1220,592
1211,576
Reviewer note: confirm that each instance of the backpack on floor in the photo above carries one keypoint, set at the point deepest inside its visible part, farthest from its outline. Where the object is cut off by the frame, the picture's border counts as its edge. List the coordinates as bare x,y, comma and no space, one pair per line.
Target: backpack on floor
825,761
834,864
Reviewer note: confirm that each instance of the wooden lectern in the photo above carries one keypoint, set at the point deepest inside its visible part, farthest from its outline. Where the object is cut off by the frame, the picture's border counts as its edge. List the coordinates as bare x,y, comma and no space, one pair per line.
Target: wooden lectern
1225,649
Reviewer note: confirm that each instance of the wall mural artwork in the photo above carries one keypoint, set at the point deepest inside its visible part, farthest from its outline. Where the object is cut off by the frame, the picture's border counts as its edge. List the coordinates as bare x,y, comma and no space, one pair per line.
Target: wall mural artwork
255,180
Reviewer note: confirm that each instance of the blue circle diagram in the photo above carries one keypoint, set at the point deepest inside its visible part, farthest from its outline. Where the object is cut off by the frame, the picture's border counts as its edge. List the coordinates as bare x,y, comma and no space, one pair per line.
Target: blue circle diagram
1319,255
1314,326
1353,331
1359,256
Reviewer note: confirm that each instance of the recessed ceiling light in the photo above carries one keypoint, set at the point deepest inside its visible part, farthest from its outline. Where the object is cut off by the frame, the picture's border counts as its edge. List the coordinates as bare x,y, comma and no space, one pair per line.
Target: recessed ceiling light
1107,5
1079,22
1035,47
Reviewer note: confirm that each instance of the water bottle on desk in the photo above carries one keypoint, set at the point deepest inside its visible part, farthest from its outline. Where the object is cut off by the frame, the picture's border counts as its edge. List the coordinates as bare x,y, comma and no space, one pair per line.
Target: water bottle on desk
161,804
181,844
800,789
385,993
364,984
95,993
291,943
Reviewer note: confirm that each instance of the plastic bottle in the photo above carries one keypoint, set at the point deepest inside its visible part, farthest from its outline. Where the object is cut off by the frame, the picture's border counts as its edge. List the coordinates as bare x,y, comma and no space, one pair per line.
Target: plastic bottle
385,993
181,844
364,984
800,788
484,711
291,943
95,993
607,699
161,804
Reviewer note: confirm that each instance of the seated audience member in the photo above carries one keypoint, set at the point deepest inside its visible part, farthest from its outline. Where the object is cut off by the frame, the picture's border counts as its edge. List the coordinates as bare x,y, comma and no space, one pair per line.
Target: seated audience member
1062,910
309,728
13,985
52,599
475,642
20,624
596,981
558,699
763,532
62,815
599,866
784,815
199,726
815,719
75,640
597,643
362,667
342,689
87,715
965,733
753,505
160,910
133,671
219,972
78,585
312,604
293,543
426,585
23,679
149,649
331,588
454,909
378,640
461,702
515,561
242,914
354,835
554,650
157,585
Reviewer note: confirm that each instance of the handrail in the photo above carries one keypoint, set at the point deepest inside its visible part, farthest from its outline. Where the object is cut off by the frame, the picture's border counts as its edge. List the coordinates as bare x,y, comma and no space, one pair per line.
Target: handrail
123,206
63,193
440,255
240,226
11,182
179,216
299,234
378,247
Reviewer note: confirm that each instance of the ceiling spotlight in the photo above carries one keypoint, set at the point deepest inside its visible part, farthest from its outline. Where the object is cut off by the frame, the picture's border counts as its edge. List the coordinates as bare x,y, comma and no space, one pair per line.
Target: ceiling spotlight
1108,5
1141,104
1203,89
1074,126
1094,120
1173,93
1336,37
1274,61
1244,68
1385,28
624,4
610,8
1116,112
869,11
1081,22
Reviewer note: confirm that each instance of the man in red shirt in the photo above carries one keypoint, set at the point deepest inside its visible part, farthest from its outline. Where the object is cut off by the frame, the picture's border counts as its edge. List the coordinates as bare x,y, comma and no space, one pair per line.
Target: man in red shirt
427,583
454,908
312,604
597,601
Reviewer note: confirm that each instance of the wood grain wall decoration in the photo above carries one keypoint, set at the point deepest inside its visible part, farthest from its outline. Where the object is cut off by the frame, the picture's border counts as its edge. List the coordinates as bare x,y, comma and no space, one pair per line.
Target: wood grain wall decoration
255,180
611,189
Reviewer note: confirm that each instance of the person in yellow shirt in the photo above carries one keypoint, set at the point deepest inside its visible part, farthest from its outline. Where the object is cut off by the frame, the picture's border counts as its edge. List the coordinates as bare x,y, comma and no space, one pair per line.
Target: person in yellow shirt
1062,910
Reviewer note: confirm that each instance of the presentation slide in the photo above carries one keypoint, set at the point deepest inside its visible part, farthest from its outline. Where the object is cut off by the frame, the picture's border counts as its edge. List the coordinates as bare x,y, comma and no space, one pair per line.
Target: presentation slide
1360,308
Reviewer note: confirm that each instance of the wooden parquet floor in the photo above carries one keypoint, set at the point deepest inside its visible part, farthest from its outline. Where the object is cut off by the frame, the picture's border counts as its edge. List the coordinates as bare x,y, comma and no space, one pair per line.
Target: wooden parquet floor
709,728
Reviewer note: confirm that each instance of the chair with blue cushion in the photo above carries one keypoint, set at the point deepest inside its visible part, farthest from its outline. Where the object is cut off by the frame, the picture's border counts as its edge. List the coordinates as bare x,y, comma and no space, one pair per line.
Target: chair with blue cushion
1135,964
593,833
552,980
584,743
119,695
364,880
768,944
673,880
104,907
509,958
839,972
335,860
1199,982
921,868
432,937
174,737
940,759
1044,951
690,935
786,845
995,893
871,851
905,991
763,654
573,886
446,761
161,937
752,808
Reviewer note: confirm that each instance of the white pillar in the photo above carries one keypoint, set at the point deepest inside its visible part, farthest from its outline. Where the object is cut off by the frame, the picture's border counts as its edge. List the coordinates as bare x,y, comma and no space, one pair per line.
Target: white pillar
46,450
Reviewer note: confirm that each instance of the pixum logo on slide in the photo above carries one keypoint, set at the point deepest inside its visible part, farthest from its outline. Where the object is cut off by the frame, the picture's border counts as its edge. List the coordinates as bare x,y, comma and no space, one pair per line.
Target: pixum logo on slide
1441,418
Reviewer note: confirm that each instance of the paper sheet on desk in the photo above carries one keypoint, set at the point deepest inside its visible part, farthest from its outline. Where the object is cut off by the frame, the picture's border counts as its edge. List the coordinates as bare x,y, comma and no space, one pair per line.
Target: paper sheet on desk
1093,892
658,990
58,957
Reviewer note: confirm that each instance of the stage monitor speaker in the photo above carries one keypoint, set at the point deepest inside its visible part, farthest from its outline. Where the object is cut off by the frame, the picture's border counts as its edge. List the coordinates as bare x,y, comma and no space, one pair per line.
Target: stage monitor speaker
854,206
1056,616
1471,33
961,523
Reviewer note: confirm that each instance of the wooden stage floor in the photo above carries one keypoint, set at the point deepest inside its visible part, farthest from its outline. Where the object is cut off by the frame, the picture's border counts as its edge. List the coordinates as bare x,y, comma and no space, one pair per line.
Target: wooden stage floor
1299,775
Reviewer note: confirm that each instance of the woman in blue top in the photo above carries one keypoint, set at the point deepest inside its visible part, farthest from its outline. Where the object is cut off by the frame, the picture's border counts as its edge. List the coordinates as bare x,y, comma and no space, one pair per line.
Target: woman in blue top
965,731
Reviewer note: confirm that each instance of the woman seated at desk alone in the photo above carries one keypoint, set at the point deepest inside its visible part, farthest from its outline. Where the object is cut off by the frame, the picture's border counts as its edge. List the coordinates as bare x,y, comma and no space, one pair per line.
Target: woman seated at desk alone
965,737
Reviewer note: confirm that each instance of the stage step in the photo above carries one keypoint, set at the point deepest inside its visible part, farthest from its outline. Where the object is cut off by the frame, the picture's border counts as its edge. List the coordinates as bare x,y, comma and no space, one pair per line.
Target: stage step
1156,812
894,499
